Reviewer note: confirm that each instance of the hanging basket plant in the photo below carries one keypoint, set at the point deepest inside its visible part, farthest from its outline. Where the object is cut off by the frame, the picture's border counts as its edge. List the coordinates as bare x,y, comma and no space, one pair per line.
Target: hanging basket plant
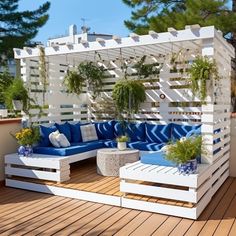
86,73
128,95
201,71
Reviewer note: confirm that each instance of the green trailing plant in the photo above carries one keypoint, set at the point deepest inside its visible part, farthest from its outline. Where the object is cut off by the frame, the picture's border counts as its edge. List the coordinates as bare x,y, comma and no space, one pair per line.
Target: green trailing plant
43,71
122,138
87,73
202,69
185,150
16,91
128,95
146,70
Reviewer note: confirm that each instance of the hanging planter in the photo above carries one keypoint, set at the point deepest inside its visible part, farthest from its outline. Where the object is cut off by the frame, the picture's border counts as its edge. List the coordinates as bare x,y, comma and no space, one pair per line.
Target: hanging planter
86,73
201,75
128,95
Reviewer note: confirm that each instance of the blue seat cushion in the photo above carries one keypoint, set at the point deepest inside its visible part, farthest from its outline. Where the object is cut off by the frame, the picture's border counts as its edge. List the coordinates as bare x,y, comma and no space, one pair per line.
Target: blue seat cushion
179,131
105,130
75,133
75,148
136,131
44,135
157,158
145,146
64,129
110,143
158,133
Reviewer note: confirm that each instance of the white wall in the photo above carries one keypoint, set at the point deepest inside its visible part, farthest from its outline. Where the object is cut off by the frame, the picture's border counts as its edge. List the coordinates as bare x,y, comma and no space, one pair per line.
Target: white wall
7,143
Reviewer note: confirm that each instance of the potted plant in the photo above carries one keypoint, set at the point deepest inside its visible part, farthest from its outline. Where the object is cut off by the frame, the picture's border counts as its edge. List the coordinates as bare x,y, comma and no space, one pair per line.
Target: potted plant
185,153
87,73
121,142
202,70
26,137
16,95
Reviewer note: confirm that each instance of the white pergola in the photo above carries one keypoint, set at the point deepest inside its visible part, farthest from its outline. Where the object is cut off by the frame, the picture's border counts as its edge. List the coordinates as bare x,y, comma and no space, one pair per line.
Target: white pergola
177,106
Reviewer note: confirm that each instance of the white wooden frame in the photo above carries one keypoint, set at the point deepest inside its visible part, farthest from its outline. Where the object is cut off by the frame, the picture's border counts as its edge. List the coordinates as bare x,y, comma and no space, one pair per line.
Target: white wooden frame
214,115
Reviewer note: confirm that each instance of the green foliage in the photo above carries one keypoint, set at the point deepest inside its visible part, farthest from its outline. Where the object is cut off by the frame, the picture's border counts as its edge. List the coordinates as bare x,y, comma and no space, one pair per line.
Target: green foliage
128,95
18,27
202,70
43,71
5,81
183,151
146,70
122,138
16,91
87,73
158,15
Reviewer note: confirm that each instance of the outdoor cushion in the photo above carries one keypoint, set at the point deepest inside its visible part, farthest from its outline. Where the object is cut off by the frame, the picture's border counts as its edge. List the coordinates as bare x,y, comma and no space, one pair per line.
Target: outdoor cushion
157,158
179,131
105,130
145,146
62,140
44,135
136,131
110,143
193,132
53,139
119,129
75,148
75,132
88,132
158,133
64,129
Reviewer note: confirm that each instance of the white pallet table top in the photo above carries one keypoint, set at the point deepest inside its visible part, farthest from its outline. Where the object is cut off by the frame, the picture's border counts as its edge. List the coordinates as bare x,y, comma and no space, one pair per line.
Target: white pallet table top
164,174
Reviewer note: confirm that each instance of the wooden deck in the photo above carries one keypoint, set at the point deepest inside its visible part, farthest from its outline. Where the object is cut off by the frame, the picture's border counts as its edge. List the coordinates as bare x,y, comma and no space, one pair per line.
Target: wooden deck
84,177
29,213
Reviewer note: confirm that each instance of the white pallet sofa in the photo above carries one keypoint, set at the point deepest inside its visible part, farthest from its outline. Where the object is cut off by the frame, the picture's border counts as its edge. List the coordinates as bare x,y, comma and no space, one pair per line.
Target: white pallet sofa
45,167
193,192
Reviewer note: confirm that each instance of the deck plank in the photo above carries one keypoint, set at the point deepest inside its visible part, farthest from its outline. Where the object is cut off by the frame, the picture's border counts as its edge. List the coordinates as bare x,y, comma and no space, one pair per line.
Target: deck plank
31,213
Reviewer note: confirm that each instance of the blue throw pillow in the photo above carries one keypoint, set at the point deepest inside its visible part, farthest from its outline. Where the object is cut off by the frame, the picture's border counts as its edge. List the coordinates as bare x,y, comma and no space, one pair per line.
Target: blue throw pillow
158,133
179,131
105,130
193,132
64,129
136,131
44,135
75,133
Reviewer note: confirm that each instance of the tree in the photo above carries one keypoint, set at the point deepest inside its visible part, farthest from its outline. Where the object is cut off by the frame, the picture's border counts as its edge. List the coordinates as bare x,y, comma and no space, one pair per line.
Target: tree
158,15
17,28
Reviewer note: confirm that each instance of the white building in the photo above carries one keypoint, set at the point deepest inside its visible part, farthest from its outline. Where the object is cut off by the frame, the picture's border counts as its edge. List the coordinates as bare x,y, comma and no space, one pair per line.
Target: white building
75,38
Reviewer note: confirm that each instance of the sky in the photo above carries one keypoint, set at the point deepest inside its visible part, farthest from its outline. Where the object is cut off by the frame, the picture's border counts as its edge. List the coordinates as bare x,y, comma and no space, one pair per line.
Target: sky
103,16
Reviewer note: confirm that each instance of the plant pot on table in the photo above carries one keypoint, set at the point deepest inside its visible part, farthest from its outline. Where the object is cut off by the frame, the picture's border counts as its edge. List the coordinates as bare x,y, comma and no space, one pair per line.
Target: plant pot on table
190,167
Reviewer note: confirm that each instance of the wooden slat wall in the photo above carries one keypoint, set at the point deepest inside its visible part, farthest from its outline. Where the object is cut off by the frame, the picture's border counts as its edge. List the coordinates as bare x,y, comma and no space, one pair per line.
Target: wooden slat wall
178,107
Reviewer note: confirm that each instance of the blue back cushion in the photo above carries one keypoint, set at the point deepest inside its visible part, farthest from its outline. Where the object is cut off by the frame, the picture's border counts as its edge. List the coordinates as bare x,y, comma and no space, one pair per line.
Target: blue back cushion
158,133
136,131
105,130
44,135
179,131
75,133
64,129
118,129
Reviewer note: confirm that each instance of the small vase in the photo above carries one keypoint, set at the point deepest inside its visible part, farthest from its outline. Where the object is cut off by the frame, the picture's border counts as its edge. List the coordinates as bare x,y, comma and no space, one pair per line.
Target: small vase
25,151
121,146
190,167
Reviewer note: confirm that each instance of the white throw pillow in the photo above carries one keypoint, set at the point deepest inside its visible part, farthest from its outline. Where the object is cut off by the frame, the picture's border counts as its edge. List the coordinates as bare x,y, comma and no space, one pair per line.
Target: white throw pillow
62,140
53,139
88,132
